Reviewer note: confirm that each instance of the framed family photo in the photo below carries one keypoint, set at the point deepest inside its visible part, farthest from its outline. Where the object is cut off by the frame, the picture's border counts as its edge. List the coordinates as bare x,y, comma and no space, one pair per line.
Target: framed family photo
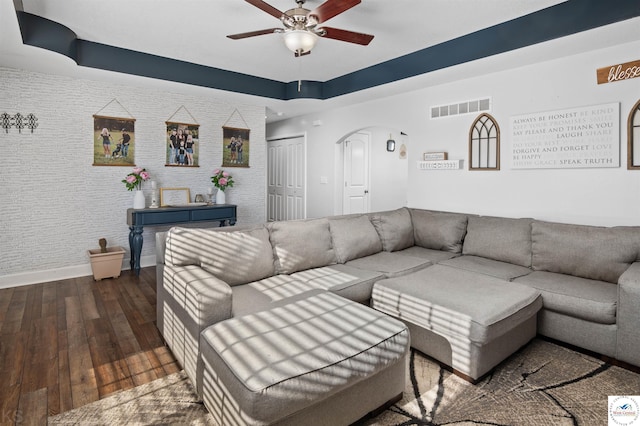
182,144
235,147
114,141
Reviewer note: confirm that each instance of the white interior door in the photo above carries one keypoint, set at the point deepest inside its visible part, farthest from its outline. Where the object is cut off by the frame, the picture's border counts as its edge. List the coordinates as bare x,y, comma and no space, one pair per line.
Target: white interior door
275,181
286,171
356,173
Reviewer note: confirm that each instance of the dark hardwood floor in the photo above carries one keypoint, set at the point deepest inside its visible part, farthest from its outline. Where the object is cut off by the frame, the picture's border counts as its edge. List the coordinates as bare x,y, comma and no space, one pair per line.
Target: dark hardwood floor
64,344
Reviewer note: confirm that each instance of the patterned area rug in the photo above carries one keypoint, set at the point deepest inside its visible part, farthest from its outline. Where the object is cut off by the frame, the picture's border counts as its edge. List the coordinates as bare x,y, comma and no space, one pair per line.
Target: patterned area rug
543,384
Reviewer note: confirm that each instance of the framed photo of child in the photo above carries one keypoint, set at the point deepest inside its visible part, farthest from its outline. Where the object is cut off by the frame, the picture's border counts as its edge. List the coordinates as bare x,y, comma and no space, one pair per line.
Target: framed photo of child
235,147
114,141
182,144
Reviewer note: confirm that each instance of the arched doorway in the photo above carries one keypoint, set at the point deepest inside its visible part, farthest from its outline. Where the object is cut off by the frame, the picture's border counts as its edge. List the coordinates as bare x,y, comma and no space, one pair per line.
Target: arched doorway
371,177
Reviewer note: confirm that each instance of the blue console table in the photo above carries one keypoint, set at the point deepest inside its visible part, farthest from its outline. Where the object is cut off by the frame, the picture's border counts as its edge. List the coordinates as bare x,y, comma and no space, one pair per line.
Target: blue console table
138,218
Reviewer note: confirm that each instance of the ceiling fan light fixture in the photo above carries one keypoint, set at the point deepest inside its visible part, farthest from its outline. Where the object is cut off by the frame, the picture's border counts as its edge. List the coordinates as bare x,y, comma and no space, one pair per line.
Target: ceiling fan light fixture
299,41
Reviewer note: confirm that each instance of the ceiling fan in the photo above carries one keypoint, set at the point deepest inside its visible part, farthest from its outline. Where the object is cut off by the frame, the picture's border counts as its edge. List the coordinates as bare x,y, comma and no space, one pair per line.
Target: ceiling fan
302,27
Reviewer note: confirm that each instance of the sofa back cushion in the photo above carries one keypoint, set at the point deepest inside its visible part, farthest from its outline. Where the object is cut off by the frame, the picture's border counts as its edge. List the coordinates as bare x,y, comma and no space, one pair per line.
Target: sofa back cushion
584,251
438,230
394,228
236,257
301,244
354,237
499,238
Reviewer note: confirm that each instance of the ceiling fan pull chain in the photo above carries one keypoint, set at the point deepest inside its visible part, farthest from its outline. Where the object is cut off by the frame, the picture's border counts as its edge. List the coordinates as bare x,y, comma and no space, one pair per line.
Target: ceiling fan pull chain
299,74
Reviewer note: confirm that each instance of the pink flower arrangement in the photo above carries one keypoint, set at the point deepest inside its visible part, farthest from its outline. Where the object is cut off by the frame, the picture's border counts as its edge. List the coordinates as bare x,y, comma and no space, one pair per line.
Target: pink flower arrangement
134,179
221,179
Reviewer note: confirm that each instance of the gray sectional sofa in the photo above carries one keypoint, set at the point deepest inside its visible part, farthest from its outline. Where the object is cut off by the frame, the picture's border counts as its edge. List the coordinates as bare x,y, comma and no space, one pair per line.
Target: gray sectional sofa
471,289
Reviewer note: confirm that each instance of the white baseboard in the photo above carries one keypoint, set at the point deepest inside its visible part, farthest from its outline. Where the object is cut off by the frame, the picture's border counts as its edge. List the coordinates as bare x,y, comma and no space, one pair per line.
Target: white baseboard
36,277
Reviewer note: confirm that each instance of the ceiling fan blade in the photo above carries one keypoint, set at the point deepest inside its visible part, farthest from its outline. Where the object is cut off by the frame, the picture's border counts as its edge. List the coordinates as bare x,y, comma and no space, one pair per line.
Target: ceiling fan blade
254,33
331,8
266,8
348,36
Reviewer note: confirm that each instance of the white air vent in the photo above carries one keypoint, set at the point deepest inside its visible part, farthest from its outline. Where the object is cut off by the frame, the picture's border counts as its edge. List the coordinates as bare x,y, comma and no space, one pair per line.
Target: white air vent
460,108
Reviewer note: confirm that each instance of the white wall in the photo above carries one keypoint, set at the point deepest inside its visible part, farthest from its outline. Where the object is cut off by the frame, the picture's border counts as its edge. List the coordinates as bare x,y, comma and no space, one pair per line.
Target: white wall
588,196
389,172
54,205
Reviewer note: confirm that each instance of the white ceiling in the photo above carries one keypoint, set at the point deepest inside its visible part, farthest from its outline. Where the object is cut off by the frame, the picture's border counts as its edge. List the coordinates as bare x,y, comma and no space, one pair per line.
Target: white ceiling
195,30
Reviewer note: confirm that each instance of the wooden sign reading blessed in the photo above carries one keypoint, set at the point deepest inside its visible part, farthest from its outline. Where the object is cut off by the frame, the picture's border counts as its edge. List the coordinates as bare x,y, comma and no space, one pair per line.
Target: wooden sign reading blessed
619,72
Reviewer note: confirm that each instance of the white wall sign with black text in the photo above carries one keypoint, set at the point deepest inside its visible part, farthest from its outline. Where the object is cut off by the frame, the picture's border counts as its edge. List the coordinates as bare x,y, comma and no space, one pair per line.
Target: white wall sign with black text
583,137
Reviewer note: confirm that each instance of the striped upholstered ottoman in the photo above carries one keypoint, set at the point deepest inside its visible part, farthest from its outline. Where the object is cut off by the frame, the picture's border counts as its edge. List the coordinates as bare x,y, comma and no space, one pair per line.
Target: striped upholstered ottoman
323,360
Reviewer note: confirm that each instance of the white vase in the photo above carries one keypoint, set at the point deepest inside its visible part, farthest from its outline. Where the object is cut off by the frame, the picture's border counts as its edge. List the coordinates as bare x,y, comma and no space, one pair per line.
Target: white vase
221,197
138,199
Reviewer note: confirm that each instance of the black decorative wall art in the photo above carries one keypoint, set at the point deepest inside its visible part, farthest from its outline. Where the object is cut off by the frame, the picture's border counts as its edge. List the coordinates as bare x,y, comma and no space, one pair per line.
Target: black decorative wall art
19,121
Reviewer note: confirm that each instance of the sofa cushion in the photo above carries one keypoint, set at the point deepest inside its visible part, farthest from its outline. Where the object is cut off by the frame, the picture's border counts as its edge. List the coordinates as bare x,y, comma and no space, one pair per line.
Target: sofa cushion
279,287
390,264
354,237
247,299
504,239
236,257
346,281
591,252
301,244
394,228
438,230
582,298
495,268
483,308
352,283
434,256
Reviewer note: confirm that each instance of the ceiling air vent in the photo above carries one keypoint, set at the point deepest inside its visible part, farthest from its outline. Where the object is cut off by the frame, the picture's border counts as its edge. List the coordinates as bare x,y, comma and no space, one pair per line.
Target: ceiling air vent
461,108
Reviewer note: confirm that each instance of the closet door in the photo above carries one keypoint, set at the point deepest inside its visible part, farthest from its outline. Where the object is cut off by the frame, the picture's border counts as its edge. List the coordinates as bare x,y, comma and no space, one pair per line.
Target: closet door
286,171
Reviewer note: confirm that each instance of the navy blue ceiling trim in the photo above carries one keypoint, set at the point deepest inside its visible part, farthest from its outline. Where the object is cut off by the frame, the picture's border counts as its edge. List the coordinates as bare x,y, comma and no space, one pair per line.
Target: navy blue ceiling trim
50,35
566,18
102,56
41,32
304,89
558,21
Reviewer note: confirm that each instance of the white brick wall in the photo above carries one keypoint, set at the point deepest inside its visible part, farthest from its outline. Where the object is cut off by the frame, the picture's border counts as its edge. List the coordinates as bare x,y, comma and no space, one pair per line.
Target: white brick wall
54,205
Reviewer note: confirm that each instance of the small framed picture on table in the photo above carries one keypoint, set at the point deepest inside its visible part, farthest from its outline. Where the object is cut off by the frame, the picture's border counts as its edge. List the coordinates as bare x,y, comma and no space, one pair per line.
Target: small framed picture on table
174,197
